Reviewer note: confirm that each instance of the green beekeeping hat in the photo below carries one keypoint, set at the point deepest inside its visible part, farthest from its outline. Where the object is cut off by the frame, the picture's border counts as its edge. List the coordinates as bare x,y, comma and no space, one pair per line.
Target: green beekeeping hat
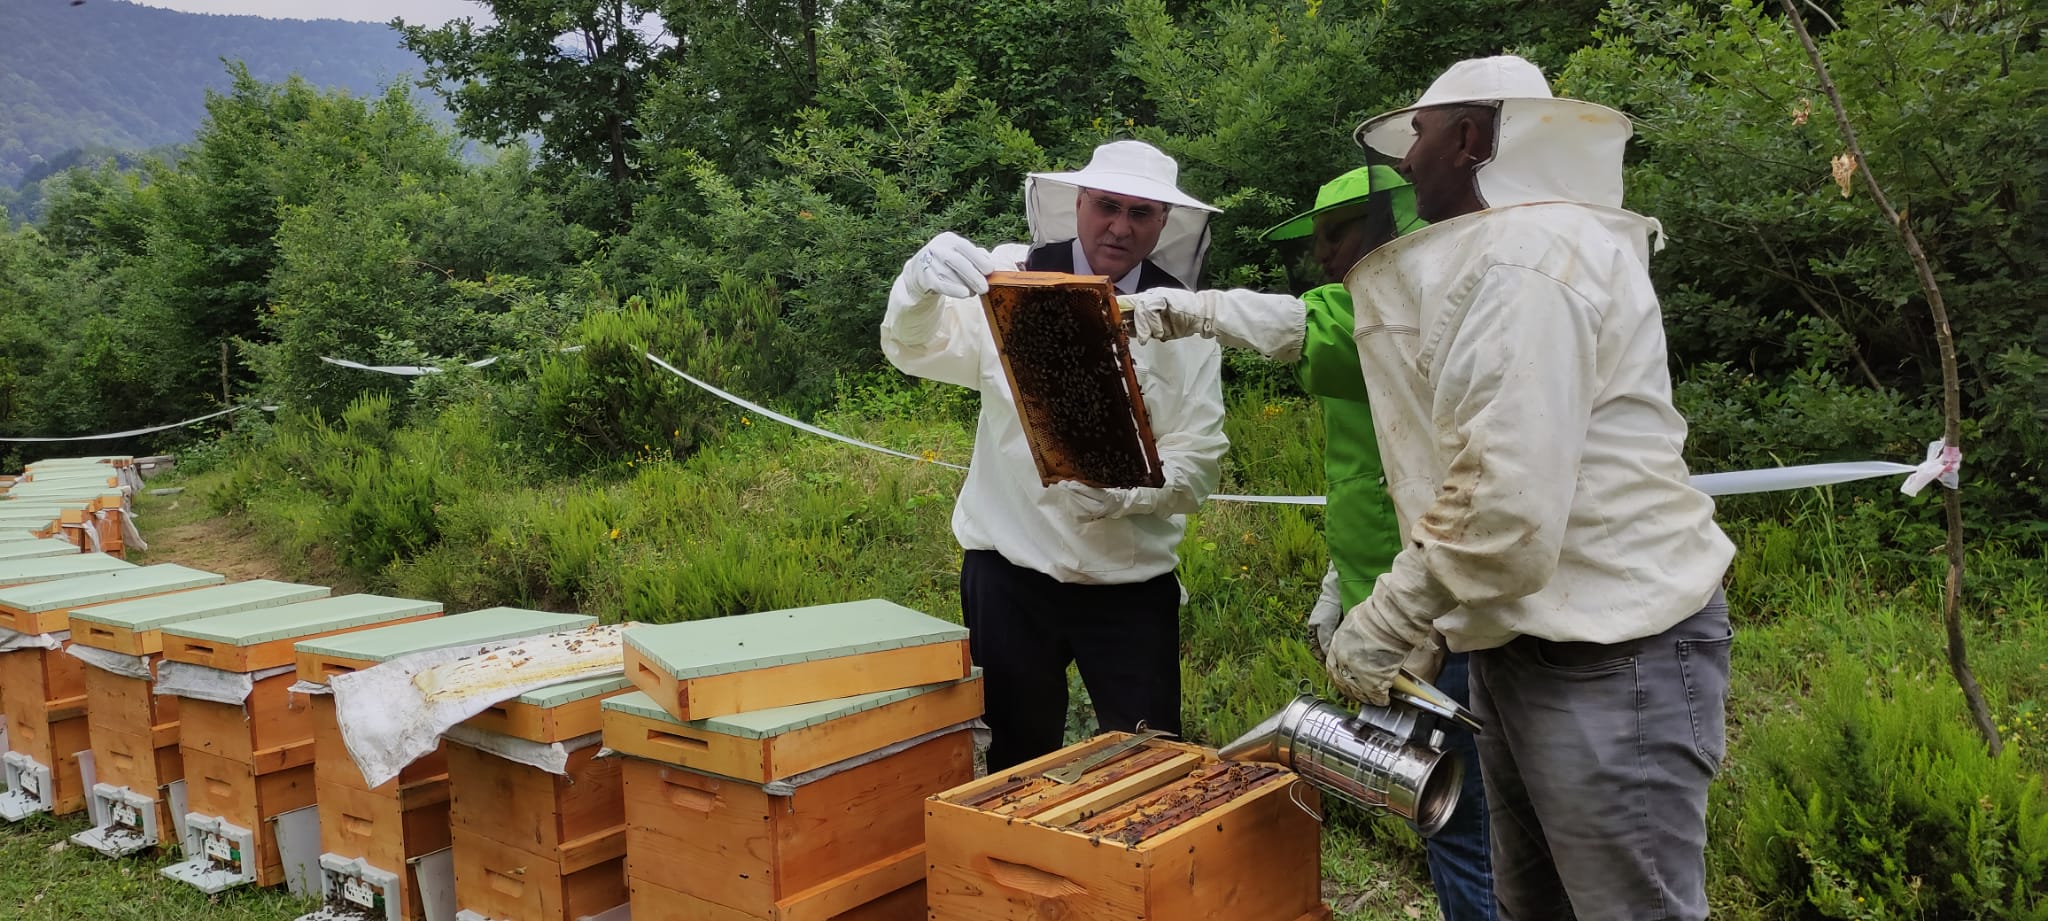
1350,188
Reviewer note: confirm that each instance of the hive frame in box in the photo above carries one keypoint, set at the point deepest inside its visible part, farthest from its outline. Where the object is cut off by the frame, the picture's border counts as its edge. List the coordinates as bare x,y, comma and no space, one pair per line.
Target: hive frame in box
1054,461
1256,849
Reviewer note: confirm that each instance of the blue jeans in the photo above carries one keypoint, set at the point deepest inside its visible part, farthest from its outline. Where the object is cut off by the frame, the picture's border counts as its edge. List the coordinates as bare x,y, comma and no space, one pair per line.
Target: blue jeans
1458,864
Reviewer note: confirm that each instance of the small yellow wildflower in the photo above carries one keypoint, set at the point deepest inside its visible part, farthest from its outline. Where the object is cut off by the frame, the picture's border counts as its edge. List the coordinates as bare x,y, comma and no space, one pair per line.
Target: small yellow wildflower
615,534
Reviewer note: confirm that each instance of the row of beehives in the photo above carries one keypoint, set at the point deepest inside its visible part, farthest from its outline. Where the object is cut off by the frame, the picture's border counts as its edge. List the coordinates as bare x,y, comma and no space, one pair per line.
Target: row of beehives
68,507
786,765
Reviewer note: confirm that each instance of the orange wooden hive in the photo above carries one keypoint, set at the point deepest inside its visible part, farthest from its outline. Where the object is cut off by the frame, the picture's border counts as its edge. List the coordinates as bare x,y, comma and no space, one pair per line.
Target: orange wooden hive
248,763
1071,371
532,844
135,730
375,841
841,841
1162,833
43,691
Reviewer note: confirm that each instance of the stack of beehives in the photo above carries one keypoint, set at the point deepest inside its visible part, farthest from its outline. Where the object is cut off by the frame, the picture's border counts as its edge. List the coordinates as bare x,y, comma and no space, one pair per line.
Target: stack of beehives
84,502
778,762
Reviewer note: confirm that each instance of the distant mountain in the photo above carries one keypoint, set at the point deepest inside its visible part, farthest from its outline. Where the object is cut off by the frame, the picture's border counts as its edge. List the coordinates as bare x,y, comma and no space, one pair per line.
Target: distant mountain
106,74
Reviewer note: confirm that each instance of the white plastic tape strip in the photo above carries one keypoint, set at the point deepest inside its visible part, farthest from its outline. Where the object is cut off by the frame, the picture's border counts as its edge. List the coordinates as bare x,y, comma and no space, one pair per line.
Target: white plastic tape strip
198,682
107,660
550,757
12,640
402,370
785,420
133,432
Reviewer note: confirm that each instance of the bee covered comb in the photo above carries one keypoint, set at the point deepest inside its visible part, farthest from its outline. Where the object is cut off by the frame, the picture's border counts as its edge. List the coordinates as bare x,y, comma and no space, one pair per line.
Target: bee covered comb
1070,369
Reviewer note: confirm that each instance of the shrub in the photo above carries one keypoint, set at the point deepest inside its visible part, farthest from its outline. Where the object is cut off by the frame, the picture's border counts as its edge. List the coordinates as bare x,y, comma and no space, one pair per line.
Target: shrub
1877,801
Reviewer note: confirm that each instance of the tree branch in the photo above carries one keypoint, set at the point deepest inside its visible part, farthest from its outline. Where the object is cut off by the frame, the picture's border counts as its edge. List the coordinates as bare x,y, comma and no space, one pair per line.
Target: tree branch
1951,391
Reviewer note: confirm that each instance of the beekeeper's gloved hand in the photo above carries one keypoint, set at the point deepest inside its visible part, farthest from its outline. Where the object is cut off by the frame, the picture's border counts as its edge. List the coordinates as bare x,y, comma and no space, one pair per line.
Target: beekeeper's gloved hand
1274,325
1324,617
1082,502
951,266
1371,645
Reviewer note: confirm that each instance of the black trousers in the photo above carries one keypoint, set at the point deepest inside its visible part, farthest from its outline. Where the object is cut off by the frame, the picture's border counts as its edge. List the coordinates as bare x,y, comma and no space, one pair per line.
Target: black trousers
1024,627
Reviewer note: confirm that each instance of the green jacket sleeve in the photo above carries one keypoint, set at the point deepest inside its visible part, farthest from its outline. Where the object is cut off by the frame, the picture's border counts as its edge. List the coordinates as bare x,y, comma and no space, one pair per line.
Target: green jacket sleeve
1329,356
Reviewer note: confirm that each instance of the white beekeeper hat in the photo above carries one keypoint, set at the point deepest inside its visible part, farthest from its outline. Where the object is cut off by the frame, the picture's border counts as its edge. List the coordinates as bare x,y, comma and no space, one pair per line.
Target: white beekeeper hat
1545,148
1132,168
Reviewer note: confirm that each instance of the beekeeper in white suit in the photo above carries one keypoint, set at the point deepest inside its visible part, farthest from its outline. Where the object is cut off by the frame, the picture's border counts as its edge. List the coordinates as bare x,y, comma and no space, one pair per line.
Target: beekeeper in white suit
1515,361
1072,573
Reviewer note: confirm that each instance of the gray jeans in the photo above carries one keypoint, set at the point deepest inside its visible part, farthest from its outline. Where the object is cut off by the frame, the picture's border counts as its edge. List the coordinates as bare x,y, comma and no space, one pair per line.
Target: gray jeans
1596,760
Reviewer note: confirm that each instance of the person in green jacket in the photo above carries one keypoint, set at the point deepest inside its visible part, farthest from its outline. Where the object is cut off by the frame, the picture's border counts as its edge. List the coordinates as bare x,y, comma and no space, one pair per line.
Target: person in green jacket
1354,214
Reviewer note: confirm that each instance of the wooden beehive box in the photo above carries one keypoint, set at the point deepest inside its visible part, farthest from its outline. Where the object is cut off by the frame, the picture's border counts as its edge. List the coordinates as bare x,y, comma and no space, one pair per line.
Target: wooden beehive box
388,826
134,731
249,764
35,548
43,691
707,668
766,745
45,607
531,844
699,846
27,572
1076,386
1163,833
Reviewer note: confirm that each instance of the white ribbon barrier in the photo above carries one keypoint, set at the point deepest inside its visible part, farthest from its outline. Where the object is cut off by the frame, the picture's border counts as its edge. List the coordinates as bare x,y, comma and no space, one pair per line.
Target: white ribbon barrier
402,370
1943,461
134,432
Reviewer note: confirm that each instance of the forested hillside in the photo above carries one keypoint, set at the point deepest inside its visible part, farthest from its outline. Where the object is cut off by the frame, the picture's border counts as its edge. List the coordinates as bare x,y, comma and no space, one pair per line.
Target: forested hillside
109,75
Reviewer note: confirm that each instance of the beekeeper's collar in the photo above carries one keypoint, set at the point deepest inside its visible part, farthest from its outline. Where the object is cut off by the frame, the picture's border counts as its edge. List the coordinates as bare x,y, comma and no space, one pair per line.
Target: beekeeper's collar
1545,148
1132,168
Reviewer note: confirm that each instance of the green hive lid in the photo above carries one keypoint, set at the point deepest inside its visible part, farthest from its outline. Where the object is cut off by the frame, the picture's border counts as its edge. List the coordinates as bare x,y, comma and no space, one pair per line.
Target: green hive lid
21,537
77,461
569,692
97,587
324,615
763,724
31,549
386,643
722,645
144,614
19,572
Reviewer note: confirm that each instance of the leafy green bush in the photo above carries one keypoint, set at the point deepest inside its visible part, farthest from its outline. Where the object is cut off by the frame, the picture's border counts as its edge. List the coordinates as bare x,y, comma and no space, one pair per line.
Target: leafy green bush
1876,800
612,404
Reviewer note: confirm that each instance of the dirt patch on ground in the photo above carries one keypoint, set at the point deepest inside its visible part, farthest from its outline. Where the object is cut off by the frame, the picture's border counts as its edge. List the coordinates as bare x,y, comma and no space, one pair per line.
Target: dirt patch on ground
219,545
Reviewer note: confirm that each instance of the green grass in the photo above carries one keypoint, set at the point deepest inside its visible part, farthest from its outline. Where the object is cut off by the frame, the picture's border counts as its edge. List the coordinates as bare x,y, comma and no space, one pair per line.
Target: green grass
45,878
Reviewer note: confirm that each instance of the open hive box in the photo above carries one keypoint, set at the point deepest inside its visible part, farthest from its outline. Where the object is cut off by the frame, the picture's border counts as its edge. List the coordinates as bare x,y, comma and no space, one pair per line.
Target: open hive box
135,730
376,842
1076,386
1161,832
246,740
43,690
534,844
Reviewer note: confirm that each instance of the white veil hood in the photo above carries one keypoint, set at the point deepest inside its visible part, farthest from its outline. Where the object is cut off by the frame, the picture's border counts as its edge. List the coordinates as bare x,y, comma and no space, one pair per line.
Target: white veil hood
1132,168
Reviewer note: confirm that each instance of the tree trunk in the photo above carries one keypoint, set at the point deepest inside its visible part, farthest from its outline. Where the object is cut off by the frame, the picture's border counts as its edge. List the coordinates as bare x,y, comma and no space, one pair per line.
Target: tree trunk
1951,394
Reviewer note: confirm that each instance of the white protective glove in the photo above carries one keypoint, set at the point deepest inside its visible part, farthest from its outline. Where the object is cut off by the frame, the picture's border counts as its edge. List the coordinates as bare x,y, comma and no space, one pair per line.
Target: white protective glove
1328,612
1093,503
951,266
1372,644
1273,325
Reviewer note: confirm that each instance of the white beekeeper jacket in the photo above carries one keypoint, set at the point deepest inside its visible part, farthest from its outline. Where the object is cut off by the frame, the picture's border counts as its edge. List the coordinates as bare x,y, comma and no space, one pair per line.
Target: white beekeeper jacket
1002,507
1516,365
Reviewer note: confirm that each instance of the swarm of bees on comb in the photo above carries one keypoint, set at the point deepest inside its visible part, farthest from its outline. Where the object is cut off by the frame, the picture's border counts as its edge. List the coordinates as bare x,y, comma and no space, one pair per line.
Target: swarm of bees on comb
1076,387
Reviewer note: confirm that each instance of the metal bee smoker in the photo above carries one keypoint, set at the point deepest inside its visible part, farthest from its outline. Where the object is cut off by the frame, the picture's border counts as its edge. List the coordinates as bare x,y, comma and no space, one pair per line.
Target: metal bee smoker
1389,759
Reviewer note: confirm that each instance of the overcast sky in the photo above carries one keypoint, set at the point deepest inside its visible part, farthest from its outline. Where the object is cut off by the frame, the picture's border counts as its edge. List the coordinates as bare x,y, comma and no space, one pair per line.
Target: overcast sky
424,12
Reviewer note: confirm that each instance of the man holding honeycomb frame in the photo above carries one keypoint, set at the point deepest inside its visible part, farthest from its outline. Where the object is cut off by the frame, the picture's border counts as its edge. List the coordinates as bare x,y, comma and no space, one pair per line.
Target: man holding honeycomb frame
1072,573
